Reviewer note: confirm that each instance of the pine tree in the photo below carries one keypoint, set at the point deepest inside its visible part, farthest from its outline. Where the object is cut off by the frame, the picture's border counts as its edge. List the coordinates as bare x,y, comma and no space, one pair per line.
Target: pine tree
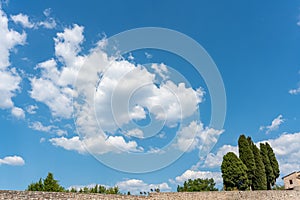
260,179
234,173
247,157
273,162
268,167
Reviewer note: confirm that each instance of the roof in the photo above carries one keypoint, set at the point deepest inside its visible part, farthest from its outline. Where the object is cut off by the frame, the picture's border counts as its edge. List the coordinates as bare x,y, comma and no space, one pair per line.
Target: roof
290,174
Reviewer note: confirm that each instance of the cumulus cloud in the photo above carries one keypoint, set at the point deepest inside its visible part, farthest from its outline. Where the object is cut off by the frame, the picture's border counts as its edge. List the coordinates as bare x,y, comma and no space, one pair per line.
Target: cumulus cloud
9,77
135,186
215,160
195,135
12,160
18,112
274,125
110,92
23,20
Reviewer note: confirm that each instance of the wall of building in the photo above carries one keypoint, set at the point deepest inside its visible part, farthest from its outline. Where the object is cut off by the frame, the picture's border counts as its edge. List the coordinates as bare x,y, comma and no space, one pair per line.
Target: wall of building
257,195
295,181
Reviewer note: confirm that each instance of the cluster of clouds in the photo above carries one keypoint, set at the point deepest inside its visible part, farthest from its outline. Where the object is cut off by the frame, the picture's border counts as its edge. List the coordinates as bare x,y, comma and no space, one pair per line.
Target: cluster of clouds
24,21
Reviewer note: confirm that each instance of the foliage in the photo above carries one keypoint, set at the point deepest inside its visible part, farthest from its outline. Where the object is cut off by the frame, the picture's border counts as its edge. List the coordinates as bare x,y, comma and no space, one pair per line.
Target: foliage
234,173
247,157
278,187
274,162
268,166
260,179
49,184
98,189
197,185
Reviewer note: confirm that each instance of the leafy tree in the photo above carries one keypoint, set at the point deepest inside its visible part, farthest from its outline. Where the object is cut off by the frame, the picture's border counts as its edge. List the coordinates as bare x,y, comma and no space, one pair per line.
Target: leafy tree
49,184
247,157
268,167
274,162
197,185
234,173
73,190
259,179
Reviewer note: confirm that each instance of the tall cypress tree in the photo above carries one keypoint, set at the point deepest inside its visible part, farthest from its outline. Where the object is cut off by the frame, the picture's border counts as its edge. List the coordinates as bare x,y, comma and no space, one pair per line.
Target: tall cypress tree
234,173
260,179
273,162
247,157
268,167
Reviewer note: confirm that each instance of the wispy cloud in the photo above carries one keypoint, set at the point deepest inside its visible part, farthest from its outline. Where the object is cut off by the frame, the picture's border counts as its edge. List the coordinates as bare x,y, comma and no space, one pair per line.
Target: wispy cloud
23,20
274,125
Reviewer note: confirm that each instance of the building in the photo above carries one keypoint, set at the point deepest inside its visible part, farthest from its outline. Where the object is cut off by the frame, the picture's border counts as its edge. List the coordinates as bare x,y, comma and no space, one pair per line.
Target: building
292,181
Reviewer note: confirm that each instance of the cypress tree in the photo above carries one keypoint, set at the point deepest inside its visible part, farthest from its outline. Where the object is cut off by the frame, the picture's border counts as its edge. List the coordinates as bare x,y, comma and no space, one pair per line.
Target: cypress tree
274,163
260,179
268,167
247,157
234,173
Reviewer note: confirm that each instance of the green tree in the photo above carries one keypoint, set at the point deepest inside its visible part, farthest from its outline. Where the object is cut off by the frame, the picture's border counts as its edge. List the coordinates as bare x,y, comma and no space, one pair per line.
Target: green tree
234,173
268,167
197,185
260,179
247,157
273,162
49,184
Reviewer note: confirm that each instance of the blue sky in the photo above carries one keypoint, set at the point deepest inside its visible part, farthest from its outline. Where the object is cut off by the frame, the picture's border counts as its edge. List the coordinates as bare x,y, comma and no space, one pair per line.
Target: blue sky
53,51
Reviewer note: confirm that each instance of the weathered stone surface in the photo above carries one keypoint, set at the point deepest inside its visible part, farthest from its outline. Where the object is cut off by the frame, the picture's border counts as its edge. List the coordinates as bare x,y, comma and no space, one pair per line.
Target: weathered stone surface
257,195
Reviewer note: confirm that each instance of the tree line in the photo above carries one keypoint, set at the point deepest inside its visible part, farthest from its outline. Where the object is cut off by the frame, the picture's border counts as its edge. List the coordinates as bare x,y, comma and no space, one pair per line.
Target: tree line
49,184
254,169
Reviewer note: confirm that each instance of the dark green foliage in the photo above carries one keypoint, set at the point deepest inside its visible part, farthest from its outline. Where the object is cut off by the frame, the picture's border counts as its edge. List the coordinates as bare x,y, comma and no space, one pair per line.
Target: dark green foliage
49,184
234,173
98,189
247,157
268,166
274,162
260,179
197,185
278,187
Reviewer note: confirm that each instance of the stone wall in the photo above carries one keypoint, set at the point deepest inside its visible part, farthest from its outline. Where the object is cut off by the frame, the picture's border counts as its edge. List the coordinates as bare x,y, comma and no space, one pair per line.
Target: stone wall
257,195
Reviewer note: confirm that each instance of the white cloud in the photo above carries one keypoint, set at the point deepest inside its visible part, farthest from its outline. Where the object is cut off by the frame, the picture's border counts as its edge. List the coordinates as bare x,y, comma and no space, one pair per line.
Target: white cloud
100,95
195,135
12,160
18,112
295,91
9,78
161,70
191,174
274,125
215,160
23,20
96,144
135,133
8,40
31,109
135,186
38,126
47,12
50,23
10,81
